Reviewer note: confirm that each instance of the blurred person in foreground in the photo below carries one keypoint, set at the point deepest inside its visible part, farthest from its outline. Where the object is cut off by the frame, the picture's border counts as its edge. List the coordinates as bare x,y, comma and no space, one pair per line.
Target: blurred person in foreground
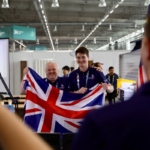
124,126
14,135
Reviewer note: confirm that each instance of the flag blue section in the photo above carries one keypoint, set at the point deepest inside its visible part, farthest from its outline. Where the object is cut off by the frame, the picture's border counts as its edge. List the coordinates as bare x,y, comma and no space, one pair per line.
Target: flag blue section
60,128
97,101
33,121
39,80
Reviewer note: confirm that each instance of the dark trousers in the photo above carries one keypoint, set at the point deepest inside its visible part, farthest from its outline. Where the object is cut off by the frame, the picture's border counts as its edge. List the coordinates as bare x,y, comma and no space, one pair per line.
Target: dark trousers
112,96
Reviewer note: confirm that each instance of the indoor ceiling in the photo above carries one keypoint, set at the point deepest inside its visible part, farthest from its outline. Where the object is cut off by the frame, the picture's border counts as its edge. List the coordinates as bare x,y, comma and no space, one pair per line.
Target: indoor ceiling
71,17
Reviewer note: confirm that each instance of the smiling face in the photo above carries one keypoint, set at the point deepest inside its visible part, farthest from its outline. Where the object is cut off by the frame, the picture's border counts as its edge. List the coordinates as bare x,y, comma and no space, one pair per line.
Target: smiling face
82,59
51,71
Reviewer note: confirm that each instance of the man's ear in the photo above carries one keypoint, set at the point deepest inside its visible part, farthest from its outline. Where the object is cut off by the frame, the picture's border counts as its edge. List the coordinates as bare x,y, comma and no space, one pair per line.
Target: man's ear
148,49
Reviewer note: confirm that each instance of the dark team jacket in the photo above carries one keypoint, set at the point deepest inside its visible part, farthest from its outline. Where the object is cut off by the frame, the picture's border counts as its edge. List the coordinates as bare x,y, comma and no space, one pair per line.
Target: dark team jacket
60,83
123,126
88,79
112,79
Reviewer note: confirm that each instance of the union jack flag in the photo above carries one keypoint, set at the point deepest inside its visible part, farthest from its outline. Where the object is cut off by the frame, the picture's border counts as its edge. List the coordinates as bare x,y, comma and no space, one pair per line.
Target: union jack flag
48,109
141,76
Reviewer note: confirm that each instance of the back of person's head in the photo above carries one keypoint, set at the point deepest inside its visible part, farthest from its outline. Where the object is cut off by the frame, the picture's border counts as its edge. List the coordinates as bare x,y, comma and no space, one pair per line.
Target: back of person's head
72,69
110,68
82,50
66,68
95,65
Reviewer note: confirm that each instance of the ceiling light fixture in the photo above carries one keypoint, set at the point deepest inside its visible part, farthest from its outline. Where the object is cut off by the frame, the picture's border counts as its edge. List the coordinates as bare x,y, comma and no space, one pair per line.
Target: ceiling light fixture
43,12
83,29
5,4
55,29
110,27
111,11
102,3
147,2
110,39
94,41
41,6
117,6
56,41
55,3
75,41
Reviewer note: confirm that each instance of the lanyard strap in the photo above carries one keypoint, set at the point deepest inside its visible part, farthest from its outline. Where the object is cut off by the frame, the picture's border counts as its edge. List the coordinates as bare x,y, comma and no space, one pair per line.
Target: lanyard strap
56,85
113,79
78,80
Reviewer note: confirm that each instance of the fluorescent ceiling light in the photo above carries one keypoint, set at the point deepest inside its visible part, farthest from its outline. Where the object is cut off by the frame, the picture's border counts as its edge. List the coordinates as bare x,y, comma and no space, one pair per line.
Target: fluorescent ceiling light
44,17
117,6
147,2
121,1
43,12
106,17
111,11
55,3
102,3
5,4
41,6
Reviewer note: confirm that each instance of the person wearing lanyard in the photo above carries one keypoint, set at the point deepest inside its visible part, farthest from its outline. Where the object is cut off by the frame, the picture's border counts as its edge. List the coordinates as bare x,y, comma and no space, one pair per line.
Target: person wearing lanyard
112,78
66,71
86,77
51,70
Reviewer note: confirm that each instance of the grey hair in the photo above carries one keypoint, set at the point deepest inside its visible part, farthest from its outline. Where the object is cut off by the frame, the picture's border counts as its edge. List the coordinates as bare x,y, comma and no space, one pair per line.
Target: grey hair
50,62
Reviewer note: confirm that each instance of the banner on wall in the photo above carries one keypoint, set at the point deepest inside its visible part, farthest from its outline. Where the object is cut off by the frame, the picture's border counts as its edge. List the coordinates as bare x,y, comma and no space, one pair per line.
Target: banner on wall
18,33
23,33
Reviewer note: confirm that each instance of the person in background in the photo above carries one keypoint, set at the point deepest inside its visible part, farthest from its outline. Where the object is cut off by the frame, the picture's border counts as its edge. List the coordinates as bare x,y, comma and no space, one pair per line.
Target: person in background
14,135
65,71
72,69
123,126
51,70
97,66
112,78
86,77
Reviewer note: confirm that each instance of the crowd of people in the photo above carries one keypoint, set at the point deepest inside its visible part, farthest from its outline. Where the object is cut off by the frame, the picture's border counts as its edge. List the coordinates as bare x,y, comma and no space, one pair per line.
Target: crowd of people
77,81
